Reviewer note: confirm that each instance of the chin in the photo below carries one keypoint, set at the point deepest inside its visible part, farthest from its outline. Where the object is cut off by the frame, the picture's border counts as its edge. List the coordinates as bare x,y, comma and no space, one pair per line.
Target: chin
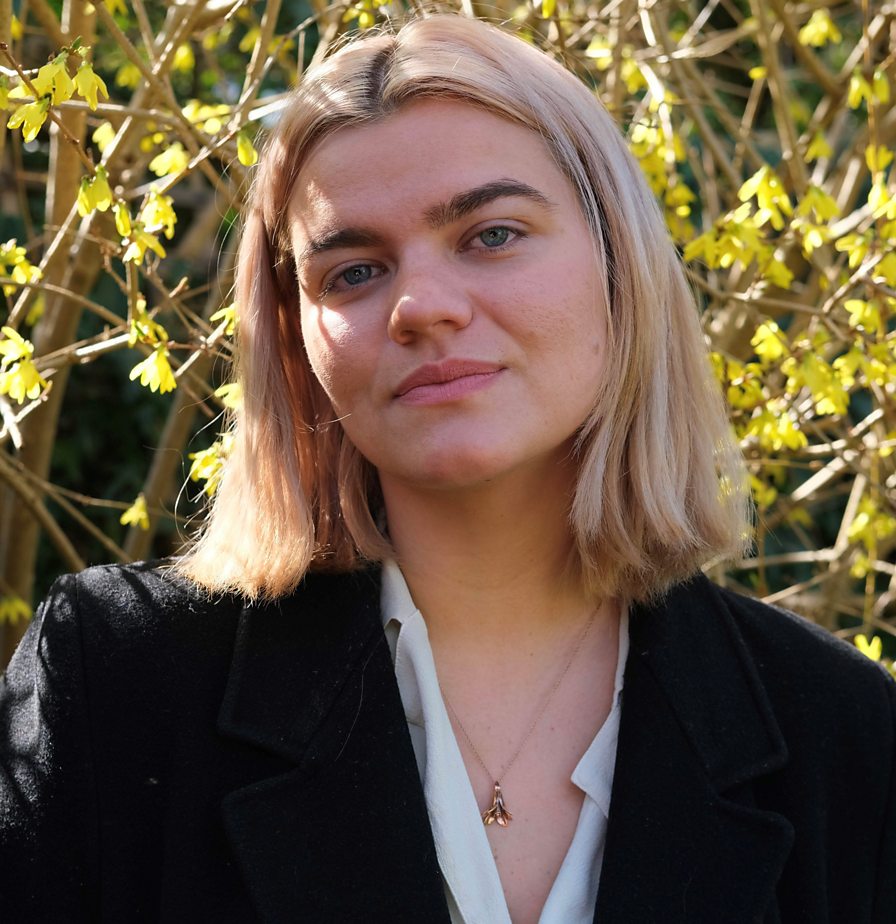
462,470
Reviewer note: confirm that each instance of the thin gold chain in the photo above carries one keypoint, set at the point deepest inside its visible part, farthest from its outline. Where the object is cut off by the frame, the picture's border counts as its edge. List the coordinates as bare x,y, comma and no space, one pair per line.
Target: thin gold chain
535,721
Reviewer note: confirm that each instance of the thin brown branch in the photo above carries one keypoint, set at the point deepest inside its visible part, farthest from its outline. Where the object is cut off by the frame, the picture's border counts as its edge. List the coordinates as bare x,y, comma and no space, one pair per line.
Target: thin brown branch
35,506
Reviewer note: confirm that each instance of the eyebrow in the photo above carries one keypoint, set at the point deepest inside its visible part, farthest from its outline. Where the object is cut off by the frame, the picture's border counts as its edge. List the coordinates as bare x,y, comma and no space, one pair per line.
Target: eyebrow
335,239
463,203
437,216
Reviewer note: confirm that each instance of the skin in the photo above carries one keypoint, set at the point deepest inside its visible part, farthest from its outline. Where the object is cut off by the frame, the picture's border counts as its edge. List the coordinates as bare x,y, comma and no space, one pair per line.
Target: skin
451,308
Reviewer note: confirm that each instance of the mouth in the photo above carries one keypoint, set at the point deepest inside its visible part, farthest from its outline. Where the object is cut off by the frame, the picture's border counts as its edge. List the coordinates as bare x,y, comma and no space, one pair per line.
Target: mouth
447,380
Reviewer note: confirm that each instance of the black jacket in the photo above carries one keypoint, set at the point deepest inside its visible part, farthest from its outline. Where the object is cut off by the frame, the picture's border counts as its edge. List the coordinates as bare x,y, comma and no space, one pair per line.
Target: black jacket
165,757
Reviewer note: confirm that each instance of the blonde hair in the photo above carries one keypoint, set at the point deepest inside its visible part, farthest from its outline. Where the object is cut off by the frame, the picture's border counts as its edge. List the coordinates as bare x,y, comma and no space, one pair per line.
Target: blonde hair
660,487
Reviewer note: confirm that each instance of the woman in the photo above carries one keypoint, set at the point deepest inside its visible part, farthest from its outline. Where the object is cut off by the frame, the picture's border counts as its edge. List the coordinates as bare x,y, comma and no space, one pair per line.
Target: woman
478,467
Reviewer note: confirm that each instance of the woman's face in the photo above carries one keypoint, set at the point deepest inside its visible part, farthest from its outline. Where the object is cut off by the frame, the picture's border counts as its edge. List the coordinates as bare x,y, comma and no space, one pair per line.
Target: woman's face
451,303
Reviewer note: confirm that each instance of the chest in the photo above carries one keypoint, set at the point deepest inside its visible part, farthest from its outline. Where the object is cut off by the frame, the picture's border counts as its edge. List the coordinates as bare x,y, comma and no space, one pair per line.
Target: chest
539,794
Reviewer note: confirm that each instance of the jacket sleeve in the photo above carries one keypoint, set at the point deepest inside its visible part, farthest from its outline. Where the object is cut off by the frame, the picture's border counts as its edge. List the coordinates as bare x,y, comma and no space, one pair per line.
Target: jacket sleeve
48,805
885,899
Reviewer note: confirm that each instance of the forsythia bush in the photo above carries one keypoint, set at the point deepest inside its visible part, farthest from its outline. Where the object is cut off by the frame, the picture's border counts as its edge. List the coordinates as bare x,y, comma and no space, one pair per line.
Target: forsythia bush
766,129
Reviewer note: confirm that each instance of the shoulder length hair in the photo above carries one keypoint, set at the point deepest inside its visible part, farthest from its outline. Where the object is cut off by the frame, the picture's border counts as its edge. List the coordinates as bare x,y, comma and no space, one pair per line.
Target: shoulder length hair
660,486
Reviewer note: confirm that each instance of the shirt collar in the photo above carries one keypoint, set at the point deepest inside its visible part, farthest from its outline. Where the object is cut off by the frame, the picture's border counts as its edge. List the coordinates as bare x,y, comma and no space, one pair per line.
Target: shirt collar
594,772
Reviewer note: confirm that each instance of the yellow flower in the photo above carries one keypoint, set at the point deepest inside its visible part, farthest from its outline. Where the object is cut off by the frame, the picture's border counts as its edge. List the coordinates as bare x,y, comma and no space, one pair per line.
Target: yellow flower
878,157
122,219
859,89
768,342
819,30
206,117
856,245
775,428
184,59
764,494
32,116
828,390
102,193
19,377
818,201
140,241
872,648
818,148
157,214
137,514
249,40
94,193
813,236
777,273
208,464
103,136
231,395
770,194
89,84
14,347
600,52
155,371
880,87
173,160
14,262
871,524
52,79
128,76
245,150
881,202
885,270
863,315
22,381
15,28
36,311
12,609
227,315
211,40
145,328
4,93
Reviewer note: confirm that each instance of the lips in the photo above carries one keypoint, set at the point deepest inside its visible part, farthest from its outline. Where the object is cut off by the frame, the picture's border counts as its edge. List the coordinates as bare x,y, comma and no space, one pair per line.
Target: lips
430,376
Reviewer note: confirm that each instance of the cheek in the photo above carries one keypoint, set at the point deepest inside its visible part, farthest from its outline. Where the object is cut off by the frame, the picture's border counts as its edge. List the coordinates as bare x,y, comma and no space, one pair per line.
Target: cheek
334,352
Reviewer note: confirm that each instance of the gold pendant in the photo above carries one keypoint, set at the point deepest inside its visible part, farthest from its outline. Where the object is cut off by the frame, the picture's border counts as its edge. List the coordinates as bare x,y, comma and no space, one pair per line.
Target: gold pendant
497,813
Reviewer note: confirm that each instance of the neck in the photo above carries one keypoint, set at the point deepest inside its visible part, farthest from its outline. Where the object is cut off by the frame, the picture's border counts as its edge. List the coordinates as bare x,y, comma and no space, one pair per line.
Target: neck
493,564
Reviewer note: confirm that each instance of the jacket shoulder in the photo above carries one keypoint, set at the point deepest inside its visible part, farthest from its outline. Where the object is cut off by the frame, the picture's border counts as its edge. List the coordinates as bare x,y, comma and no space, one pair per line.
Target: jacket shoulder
826,694
785,643
139,599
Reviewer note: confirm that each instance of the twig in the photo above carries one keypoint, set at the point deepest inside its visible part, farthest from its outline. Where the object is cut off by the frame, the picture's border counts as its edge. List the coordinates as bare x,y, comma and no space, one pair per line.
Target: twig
34,504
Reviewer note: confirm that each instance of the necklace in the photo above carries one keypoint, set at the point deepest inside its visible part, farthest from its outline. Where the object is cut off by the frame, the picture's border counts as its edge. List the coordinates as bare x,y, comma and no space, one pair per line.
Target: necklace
497,812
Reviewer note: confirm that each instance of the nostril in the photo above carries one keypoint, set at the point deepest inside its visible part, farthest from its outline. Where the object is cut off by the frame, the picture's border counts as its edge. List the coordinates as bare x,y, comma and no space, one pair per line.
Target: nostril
429,309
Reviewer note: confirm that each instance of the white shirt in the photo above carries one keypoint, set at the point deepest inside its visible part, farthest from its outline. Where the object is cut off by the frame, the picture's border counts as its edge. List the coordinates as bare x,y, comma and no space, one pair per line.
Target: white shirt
472,886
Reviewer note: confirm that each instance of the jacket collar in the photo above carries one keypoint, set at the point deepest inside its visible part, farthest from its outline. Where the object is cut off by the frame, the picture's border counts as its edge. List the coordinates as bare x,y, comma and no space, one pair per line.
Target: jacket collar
293,656
685,842
343,834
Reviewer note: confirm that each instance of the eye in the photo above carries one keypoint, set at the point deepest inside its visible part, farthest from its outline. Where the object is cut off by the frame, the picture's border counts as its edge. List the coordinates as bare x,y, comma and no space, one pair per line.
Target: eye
351,278
355,275
495,237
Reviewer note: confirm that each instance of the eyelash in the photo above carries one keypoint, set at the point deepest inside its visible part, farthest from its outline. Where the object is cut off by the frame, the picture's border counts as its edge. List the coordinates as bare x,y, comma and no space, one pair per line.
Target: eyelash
516,235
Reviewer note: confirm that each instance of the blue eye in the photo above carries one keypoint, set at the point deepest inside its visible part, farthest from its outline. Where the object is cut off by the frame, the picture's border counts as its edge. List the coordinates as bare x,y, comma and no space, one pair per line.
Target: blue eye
356,275
494,237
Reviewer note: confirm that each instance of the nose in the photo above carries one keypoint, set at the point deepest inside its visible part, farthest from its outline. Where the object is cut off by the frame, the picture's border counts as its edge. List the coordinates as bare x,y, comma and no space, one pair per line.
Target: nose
429,301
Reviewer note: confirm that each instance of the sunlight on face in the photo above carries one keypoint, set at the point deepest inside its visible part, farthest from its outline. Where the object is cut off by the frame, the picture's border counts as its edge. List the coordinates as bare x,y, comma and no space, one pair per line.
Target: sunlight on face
451,298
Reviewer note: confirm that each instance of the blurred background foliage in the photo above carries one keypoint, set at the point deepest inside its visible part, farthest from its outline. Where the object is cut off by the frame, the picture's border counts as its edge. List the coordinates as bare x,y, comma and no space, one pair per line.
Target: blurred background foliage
766,129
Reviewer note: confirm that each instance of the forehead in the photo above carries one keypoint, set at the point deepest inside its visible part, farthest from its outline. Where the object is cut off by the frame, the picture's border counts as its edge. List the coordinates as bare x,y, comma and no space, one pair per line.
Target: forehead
410,161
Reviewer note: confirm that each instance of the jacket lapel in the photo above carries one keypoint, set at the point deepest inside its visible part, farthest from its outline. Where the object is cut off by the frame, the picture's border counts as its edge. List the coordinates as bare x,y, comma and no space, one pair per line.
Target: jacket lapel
684,841
344,835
